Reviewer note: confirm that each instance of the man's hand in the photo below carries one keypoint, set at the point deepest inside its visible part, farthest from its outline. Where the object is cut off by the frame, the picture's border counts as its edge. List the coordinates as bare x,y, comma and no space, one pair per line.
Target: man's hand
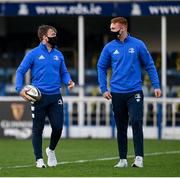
157,92
25,96
107,95
71,85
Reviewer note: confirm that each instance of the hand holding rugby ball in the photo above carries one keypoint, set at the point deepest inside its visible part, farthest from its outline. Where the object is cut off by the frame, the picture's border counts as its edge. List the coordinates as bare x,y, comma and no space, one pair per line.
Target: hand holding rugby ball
31,93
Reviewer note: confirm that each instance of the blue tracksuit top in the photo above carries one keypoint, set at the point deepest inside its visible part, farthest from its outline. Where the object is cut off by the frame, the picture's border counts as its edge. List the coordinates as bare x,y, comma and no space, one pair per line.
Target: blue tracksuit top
48,70
125,59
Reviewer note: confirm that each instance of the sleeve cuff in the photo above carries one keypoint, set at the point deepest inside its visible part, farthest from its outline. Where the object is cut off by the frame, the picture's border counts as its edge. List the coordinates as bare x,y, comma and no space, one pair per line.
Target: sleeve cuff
18,90
103,89
67,81
156,86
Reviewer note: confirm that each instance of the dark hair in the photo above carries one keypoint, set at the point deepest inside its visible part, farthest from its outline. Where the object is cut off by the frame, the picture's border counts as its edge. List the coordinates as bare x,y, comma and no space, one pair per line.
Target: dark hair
120,20
42,30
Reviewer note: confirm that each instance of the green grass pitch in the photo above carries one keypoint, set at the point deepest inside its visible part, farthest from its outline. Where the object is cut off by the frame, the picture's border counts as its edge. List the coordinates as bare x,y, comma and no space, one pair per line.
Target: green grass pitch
90,158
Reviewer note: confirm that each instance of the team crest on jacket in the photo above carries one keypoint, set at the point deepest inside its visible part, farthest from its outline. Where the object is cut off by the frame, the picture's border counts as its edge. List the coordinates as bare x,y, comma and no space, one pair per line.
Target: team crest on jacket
131,50
56,58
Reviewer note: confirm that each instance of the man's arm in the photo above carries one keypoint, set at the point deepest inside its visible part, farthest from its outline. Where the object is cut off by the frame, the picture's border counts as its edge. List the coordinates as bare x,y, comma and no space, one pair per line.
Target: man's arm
65,76
21,71
102,66
150,68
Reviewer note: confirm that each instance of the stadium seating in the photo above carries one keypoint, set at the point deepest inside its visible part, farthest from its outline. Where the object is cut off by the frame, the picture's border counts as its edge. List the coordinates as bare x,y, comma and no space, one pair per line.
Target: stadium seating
11,56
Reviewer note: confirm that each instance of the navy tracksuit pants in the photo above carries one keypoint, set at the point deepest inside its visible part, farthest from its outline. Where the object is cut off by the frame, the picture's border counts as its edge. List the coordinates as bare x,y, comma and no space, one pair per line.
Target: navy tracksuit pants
125,106
52,107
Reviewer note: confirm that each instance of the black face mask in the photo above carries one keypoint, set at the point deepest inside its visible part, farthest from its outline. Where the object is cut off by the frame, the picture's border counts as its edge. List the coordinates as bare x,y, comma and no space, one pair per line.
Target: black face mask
52,41
115,34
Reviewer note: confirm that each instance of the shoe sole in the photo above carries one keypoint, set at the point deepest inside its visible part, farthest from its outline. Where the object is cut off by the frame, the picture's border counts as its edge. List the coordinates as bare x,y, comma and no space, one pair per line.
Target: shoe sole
121,167
134,165
41,167
52,166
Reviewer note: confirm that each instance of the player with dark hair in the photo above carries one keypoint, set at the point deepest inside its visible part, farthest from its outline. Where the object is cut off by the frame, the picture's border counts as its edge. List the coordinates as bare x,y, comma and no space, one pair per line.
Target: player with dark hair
48,71
124,55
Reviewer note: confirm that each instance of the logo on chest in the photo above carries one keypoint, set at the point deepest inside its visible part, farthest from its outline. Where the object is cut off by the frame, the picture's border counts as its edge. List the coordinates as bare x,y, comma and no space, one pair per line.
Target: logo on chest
116,52
56,58
41,57
131,50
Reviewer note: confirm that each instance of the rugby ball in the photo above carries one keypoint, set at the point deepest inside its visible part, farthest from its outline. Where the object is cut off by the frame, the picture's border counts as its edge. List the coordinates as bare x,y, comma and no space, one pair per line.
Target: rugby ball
33,92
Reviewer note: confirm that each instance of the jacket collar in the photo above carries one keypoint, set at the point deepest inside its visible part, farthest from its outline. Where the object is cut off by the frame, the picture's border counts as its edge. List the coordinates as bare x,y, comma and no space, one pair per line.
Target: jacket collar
125,40
44,47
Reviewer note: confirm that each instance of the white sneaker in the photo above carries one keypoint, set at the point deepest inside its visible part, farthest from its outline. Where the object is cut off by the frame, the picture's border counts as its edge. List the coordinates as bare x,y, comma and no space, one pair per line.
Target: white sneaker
40,163
138,162
52,161
122,163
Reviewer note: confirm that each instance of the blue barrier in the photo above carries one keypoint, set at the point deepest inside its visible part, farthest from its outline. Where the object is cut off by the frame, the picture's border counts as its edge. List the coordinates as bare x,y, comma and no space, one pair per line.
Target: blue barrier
159,120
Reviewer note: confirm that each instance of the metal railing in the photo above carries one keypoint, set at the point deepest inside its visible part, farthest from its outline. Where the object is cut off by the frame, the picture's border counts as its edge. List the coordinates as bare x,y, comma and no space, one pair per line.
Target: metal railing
161,116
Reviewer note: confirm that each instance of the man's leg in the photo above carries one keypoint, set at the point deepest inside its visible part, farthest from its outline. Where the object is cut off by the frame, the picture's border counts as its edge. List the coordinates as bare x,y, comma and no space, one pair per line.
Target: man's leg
38,118
55,114
56,118
121,118
135,108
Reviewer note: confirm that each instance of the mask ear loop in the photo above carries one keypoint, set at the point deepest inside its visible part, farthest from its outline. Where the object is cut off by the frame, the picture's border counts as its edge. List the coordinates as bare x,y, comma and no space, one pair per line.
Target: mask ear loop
121,31
47,38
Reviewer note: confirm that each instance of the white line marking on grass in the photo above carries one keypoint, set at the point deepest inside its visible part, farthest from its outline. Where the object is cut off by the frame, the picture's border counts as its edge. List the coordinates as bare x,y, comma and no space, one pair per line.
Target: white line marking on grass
98,159
113,158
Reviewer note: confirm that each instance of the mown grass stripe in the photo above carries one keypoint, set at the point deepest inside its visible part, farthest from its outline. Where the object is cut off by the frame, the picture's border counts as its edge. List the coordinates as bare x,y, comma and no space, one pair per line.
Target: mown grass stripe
93,160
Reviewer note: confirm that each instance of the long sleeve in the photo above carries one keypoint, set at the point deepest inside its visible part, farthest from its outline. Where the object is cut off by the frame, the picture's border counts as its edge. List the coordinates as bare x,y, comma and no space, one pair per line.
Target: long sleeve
102,66
21,71
149,65
65,76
